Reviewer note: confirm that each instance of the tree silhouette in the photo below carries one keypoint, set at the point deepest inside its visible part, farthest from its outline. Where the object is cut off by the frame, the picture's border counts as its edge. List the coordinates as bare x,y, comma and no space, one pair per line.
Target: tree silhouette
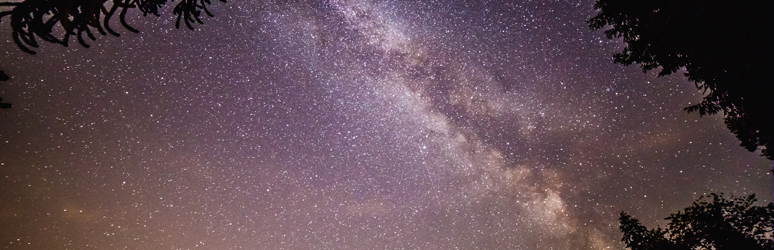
712,222
724,46
33,19
57,21
4,77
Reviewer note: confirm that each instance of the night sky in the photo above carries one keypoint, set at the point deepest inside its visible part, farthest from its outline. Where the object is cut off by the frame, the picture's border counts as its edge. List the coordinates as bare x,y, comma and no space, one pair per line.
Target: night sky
352,125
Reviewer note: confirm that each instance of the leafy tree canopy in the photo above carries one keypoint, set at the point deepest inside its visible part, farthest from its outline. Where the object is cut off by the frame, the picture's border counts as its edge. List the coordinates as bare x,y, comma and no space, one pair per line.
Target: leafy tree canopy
38,19
4,77
724,46
712,222
57,21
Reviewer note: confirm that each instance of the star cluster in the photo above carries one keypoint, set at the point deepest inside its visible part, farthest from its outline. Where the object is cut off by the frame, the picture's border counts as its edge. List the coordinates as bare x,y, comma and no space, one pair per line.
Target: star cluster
352,125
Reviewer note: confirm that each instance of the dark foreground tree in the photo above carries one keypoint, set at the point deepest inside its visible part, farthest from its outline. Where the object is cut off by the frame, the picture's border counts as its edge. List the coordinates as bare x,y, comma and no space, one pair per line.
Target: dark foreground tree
712,222
57,21
724,46
4,77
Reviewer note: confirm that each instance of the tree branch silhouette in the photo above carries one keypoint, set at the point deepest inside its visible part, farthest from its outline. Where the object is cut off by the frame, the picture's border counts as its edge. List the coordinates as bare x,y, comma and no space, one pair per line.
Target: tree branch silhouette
711,222
58,21
38,19
4,77
722,45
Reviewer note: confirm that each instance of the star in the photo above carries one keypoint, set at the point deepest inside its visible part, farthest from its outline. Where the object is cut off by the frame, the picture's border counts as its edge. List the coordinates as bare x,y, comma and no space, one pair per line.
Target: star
352,125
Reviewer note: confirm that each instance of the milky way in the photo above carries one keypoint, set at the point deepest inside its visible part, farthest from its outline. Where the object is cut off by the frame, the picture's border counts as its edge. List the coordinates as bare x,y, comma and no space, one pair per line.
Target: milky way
353,125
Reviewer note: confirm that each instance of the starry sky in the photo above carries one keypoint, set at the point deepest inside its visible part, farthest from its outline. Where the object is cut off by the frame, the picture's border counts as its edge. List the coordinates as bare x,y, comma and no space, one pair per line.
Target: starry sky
349,124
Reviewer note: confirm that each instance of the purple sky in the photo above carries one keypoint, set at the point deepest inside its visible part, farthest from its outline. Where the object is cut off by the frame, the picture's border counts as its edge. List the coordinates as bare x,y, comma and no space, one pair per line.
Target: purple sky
352,125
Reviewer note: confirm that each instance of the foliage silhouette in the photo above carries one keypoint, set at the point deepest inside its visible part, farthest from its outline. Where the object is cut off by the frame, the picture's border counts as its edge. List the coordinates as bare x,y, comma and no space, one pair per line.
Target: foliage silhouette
4,77
724,46
40,19
32,19
712,222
